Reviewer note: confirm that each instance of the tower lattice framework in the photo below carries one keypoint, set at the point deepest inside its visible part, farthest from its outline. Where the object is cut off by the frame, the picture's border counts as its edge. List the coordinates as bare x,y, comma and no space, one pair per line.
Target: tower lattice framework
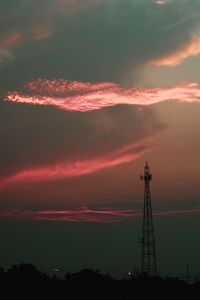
148,259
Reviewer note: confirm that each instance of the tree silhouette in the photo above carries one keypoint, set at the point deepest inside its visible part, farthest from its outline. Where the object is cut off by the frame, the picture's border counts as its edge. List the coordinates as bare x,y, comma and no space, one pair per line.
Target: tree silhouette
26,282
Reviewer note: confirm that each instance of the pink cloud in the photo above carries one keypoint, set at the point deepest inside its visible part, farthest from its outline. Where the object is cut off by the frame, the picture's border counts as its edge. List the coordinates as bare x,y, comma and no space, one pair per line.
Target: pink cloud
192,48
84,214
11,40
69,169
77,215
79,96
41,32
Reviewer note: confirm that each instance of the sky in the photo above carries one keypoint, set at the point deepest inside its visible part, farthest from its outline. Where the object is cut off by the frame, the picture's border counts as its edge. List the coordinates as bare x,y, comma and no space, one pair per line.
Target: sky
89,91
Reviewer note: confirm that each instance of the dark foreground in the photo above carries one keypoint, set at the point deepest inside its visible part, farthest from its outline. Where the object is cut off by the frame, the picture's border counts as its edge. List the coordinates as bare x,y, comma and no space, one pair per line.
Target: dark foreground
24,281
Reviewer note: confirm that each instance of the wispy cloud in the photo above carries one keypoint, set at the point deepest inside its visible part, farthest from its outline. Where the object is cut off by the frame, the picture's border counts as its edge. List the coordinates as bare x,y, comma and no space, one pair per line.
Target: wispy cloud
191,48
45,144
79,96
11,39
7,42
75,168
6,56
85,214
41,32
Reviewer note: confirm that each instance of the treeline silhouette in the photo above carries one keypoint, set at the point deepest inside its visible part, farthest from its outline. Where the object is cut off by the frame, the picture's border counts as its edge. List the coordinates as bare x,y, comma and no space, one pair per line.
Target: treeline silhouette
26,282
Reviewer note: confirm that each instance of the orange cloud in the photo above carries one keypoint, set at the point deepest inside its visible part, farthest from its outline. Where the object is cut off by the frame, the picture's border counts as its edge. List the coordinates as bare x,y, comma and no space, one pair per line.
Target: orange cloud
192,48
79,96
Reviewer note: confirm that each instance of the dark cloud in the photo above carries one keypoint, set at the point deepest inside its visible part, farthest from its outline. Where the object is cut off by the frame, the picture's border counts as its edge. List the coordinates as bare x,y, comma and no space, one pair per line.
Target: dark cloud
104,42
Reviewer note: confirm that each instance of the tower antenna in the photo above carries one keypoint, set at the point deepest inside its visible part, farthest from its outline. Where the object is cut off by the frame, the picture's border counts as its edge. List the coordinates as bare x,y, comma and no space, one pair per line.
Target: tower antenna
148,260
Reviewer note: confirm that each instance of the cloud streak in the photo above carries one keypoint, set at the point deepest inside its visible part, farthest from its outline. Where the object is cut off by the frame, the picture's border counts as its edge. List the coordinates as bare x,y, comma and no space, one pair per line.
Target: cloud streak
7,42
44,144
83,97
191,48
40,32
84,214
75,168
12,39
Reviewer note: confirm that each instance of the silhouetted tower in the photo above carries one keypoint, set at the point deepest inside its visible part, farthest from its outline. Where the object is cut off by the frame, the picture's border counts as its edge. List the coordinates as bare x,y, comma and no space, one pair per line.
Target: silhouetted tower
148,261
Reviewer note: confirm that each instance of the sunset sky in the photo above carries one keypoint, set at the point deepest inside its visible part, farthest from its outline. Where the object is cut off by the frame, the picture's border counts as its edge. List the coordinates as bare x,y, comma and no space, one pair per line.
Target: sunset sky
89,91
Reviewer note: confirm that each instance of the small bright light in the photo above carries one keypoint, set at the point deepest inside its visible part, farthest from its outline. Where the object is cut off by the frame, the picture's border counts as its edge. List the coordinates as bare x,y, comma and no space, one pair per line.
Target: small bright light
56,270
